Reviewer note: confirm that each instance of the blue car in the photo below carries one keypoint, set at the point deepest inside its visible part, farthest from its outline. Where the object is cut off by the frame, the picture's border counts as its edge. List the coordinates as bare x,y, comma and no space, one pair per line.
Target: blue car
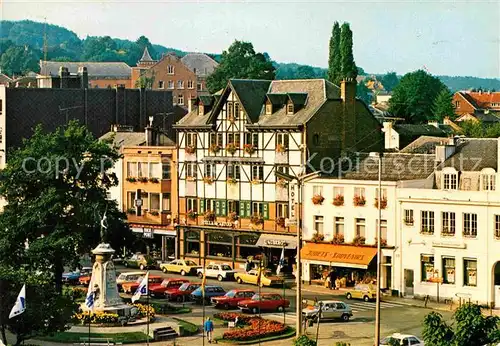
210,292
71,278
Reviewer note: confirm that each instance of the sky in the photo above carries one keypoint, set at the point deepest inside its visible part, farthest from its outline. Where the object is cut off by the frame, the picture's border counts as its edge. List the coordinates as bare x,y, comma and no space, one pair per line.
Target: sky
444,37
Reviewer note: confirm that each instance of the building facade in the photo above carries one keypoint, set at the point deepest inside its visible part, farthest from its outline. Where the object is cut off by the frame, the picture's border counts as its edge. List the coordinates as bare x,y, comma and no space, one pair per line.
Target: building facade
231,203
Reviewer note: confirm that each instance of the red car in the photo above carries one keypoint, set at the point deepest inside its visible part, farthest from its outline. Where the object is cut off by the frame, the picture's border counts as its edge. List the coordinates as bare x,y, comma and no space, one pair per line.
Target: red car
158,290
264,302
182,293
232,298
131,287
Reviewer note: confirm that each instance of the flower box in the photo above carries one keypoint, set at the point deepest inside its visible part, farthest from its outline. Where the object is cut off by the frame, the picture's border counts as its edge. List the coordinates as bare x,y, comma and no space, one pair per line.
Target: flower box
408,222
256,219
190,178
249,148
232,216
338,200
143,179
426,231
231,181
383,204
231,148
280,221
208,180
154,213
317,237
382,243
281,183
131,179
154,180
280,148
338,239
318,199
190,149
359,201
214,148
358,240
191,214
209,215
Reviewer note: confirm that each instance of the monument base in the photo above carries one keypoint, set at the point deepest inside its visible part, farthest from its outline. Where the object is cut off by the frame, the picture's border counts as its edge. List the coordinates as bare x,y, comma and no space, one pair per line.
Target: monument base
122,310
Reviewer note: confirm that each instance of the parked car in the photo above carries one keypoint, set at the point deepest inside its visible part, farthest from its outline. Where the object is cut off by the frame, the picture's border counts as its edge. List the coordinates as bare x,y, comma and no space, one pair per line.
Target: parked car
158,291
366,292
72,278
210,292
232,298
128,277
264,302
220,271
404,339
131,287
183,267
140,261
252,277
330,309
182,293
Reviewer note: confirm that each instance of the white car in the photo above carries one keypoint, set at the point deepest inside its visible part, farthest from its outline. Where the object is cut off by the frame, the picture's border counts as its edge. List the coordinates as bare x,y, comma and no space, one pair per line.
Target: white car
220,271
404,340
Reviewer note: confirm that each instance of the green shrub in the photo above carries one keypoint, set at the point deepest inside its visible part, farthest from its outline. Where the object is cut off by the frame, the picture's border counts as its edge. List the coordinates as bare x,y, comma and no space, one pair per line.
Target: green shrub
303,341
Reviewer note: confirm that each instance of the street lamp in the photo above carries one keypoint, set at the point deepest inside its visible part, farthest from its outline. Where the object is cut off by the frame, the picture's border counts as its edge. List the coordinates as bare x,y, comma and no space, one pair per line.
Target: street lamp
379,241
298,277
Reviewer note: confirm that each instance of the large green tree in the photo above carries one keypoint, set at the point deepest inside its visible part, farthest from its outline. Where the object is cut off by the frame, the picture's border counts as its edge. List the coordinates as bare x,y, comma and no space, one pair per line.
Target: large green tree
443,105
240,61
55,187
334,59
414,96
349,69
470,328
389,81
19,60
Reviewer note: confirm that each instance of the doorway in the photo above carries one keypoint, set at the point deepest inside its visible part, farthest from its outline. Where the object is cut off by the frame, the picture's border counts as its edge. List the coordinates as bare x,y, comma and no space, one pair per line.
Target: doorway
408,282
496,284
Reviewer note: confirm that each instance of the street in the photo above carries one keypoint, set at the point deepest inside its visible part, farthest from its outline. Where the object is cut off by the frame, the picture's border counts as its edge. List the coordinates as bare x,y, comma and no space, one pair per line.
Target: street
395,316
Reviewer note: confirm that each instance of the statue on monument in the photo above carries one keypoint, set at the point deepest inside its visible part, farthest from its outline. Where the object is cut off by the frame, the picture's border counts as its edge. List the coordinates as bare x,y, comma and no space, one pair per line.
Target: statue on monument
104,227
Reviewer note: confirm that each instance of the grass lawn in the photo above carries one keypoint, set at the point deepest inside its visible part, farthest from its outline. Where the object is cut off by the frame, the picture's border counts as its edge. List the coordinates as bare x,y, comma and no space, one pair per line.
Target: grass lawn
125,338
187,328
289,332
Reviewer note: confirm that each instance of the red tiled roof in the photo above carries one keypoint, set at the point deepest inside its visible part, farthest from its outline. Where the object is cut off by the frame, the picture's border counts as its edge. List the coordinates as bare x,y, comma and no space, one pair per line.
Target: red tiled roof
483,99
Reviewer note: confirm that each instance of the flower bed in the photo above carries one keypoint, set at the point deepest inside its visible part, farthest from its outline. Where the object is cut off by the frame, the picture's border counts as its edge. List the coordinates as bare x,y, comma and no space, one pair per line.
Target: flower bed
253,328
98,317
145,310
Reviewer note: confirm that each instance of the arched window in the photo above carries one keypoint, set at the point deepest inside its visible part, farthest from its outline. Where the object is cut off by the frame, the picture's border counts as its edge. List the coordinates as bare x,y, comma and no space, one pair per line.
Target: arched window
488,179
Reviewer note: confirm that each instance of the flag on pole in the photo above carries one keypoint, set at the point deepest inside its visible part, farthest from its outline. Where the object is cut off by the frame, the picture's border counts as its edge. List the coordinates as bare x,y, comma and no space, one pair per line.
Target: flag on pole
20,305
142,289
89,300
281,264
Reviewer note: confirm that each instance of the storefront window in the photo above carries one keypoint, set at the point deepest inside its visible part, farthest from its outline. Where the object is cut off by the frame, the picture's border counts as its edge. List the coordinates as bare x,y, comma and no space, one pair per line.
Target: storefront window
427,265
219,245
192,243
448,270
470,272
245,245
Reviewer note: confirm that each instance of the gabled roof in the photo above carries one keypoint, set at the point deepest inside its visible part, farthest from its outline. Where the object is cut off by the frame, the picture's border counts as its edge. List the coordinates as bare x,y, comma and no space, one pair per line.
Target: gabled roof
94,69
298,99
252,95
145,56
198,62
277,99
481,99
474,154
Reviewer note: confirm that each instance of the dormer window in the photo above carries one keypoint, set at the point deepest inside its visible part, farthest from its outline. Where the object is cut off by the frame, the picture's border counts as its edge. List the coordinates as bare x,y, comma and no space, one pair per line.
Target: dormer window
488,179
201,109
289,109
269,108
450,179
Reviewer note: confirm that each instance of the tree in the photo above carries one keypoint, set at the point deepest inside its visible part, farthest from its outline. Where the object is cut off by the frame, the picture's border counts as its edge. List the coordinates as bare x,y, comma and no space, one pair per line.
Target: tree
240,61
349,69
305,72
413,97
55,187
363,93
334,58
389,81
471,328
443,105
144,82
19,60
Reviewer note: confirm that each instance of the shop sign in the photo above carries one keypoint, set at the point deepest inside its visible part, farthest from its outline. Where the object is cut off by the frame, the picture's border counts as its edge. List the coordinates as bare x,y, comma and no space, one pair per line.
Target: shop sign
292,198
218,224
451,245
147,233
276,242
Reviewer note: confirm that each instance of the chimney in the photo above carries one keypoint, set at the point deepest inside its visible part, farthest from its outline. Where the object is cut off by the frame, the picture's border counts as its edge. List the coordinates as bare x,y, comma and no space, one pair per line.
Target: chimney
64,76
444,151
348,96
151,136
191,103
389,142
84,77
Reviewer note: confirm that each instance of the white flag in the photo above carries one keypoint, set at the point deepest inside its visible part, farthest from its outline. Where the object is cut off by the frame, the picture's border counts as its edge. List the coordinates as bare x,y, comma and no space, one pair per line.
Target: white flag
281,264
89,300
20,305
142,289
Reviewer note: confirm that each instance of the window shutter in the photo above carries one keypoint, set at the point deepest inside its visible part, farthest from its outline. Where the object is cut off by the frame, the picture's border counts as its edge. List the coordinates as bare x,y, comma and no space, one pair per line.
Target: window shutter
266,211
202,206
217,208
242,209
223,210
249,209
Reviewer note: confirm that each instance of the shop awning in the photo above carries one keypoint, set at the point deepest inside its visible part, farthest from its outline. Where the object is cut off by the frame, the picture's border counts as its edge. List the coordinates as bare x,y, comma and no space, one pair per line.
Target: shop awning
277,241
339,255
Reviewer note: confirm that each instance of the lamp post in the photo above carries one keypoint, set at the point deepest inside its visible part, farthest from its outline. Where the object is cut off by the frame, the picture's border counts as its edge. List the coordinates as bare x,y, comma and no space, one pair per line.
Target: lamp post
379,250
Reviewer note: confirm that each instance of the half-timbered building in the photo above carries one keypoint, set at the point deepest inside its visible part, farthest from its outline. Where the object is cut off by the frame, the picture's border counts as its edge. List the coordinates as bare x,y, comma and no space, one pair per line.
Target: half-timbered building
231,203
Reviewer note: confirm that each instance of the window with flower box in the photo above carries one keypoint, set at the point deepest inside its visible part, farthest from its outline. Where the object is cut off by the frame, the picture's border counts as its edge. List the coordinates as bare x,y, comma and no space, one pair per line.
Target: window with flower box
192,204
282,140
233,138
210,170
470,225
154,202
427,222
257,173
318,225
282,210
132,169
470,272
191,170
383,229
338,196
427,266
360,228
448,270
191,139
408,220
252,139
339,226
448,223
233,172
359,199
142,169
166,202
155,170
